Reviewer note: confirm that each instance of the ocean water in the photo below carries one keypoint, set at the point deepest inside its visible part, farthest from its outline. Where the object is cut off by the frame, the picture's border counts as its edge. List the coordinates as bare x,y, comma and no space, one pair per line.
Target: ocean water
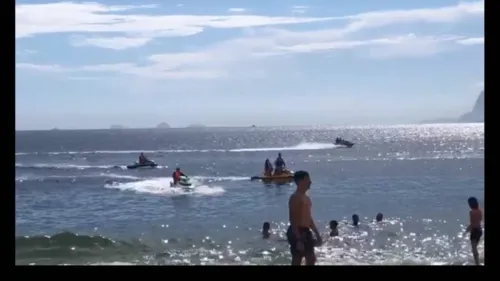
76,203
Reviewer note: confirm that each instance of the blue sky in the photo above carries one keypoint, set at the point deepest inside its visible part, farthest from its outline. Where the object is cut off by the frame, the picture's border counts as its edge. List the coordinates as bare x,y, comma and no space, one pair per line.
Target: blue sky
84,65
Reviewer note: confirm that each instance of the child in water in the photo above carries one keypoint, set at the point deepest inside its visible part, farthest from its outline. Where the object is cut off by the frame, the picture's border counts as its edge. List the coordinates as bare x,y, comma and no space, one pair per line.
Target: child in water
474,228
333,228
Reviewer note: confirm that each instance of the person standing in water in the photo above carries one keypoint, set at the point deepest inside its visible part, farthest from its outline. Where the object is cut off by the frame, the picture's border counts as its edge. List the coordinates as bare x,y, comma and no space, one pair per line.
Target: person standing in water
355,220
266,230
299,233
474,228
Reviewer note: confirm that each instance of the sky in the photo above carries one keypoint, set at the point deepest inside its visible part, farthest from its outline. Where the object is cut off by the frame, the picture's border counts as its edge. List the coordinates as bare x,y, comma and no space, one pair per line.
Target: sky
84,65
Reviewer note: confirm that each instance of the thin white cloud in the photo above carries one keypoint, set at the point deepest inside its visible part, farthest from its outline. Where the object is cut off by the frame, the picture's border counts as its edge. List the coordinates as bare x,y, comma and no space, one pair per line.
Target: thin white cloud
221,59
379,19
34,19
26,52
237,10
83,78
413,46
433,15
479,84
114,43
298,9
399,43
42,67
217,61
472,41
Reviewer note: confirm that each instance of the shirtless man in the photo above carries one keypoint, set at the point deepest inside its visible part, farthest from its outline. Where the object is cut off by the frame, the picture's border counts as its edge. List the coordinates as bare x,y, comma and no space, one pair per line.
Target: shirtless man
474,228
299,233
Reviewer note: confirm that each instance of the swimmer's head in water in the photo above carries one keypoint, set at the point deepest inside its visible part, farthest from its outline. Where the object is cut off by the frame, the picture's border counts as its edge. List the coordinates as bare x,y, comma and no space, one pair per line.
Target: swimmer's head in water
302,179
279,154
333,224
379,217
266,226
355,219
473,203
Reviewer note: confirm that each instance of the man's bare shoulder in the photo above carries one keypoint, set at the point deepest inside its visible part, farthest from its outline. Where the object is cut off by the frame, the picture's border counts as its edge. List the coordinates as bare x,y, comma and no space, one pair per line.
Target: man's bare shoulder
298,198
478,213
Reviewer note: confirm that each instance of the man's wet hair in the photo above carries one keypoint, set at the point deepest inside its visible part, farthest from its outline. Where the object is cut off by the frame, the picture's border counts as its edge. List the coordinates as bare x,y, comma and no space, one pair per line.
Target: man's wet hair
473,203
300,175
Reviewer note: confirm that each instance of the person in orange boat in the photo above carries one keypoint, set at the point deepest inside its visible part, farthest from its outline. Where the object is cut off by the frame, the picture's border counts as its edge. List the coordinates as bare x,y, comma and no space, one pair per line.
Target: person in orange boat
279,165
268,168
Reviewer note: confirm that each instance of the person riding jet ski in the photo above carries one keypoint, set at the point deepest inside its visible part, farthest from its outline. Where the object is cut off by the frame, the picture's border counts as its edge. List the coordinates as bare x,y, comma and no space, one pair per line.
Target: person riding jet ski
279,165
176,176
143,159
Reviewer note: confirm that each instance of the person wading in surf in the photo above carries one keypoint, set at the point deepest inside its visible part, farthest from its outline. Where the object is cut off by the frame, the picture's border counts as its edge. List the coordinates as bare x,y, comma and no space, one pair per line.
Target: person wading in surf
299,233
474,228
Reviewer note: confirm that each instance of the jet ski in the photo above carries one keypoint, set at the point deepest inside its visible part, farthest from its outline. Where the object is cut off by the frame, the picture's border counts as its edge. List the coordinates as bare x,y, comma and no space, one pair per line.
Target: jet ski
136,165
285,177
342,142
183,182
